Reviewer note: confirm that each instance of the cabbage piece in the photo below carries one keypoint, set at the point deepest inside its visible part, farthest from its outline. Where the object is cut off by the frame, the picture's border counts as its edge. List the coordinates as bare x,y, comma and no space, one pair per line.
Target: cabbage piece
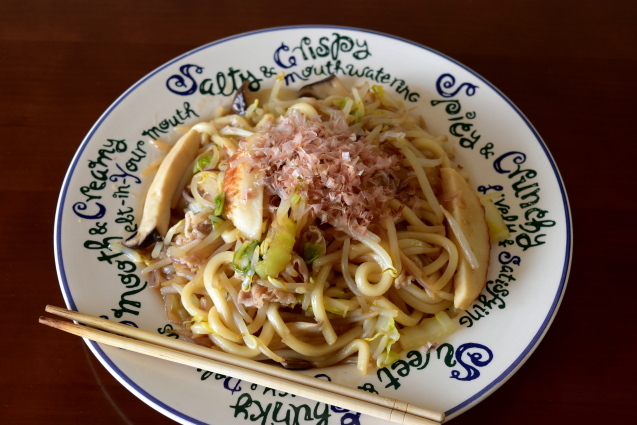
279,252
498,230
388,334
432,329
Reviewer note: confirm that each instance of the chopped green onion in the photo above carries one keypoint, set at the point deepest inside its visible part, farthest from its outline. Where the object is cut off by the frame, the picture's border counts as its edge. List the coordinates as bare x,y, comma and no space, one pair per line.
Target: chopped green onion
202,163
311,252
242,258
219,201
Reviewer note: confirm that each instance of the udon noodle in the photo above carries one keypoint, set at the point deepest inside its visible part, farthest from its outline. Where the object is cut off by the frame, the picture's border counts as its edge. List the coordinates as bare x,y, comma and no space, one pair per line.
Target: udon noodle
308,231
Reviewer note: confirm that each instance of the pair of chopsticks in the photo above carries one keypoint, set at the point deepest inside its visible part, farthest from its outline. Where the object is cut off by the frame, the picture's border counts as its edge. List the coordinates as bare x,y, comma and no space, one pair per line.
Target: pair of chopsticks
140,341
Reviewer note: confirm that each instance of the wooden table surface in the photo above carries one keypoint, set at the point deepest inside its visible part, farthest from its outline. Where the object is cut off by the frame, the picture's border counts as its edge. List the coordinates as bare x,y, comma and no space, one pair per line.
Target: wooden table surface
570,66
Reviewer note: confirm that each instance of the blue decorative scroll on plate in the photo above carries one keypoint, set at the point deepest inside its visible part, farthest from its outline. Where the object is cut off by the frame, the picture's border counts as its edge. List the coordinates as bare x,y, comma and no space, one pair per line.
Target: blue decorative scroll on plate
102,195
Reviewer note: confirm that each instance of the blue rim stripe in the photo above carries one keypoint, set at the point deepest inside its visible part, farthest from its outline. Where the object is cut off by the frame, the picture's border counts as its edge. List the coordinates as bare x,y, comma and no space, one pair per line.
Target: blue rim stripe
159,405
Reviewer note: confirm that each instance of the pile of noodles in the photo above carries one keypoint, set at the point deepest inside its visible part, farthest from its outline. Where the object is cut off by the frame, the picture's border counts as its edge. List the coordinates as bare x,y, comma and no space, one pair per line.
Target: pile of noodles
350,183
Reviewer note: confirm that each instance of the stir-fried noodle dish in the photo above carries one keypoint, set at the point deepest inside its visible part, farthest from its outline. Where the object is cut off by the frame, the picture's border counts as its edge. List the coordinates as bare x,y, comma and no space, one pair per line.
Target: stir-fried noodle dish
326,228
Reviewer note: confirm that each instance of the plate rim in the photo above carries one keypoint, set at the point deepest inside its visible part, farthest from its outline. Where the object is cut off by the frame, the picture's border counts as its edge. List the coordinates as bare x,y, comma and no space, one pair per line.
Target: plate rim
175,414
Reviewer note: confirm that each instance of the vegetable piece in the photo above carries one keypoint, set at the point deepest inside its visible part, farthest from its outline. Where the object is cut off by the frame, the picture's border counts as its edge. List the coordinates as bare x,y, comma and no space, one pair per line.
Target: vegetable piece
219,202
388,334
432,330
330,86
279,253
242,99
242,258
243,199
465,207
311,252
498,230
202,163
156,215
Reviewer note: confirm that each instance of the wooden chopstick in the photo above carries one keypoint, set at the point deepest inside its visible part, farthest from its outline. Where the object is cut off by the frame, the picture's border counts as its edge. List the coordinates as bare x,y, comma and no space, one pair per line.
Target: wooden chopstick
178,351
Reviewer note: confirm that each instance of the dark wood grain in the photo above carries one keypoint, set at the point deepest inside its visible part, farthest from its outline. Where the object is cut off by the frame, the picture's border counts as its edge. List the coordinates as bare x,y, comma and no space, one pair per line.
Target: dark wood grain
569,65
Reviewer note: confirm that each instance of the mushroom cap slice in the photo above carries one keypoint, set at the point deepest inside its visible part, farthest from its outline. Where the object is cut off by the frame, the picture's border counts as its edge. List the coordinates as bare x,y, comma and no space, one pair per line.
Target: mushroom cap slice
465,207
156,212
242,99
325,88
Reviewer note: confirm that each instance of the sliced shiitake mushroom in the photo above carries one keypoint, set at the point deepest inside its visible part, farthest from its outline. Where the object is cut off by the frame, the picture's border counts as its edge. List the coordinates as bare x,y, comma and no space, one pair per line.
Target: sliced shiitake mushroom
156,212
243,98
296,364
327,87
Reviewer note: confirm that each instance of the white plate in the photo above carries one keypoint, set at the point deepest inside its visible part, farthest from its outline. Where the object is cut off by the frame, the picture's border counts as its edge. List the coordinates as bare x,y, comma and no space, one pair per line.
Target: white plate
500,149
